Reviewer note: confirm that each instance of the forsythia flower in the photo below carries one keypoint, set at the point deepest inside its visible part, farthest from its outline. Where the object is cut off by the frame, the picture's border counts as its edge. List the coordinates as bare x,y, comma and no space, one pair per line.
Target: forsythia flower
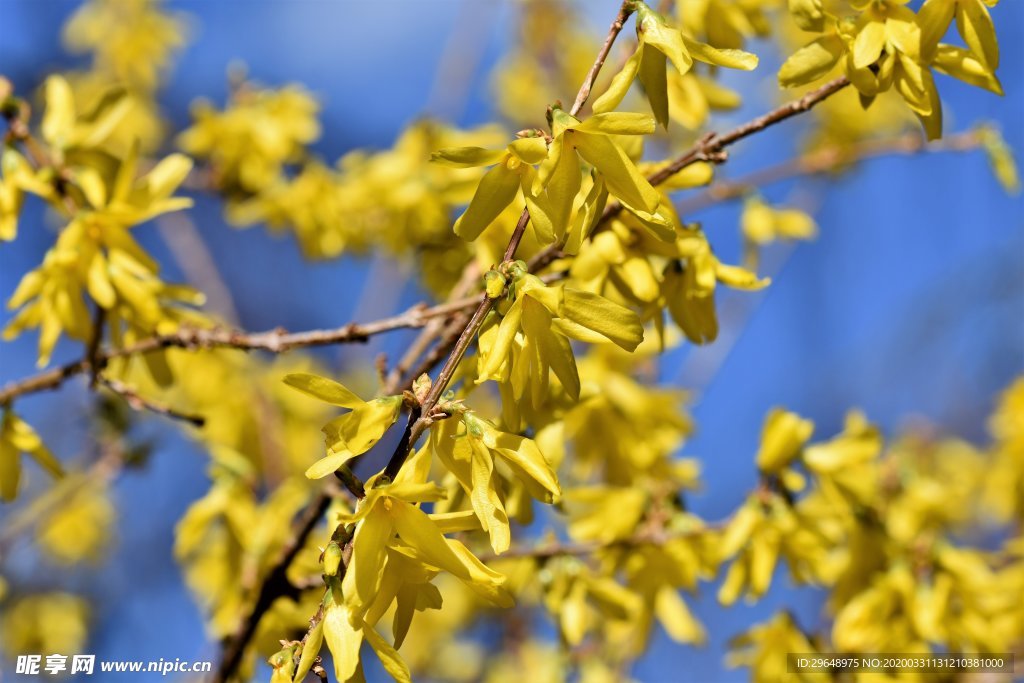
384,569
532,336
46,622
783,437
96,253
656,41
595,141
512,170
250,141
131,39
79,528
229,533
468,447
887,46
353,433
762,224
764,647
17,437
689,283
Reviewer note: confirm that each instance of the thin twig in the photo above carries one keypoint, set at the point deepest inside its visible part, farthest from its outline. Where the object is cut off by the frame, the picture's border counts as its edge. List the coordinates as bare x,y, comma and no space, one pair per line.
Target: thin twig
824,160
548,550
620,20
275,341
464,286
137,402
95,342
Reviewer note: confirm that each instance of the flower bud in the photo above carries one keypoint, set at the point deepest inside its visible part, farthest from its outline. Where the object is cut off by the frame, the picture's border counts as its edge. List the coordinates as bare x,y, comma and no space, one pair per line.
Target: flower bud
332,559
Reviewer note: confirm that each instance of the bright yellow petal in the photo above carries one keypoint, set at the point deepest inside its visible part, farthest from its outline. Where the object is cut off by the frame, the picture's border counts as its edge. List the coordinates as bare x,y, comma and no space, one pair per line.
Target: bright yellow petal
325,389
619,324
497,189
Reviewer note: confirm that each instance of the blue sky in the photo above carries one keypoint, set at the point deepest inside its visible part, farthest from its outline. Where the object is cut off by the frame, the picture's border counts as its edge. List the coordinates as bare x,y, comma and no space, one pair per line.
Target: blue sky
909,304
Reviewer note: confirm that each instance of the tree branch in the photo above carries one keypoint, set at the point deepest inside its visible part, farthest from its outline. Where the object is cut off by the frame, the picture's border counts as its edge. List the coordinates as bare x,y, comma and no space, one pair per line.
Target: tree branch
275,341
824,160
274,586
137,402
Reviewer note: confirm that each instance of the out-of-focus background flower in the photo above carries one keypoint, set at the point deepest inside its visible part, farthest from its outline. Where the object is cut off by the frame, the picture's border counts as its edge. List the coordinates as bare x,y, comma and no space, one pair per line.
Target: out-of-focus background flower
908,305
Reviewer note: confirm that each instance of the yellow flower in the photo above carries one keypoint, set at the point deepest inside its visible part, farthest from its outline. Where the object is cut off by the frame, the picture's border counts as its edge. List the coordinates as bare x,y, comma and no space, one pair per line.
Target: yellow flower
131,39
96,254
782,439
17,437
594,140
689,283
532,337
512,169
250,141
66,129
762,224
468,447
385,568
353,433
656,41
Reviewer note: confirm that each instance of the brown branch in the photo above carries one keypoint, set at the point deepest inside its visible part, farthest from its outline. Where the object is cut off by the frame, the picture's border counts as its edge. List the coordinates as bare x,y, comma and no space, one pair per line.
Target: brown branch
137,402
95,342
435,327
275,585
546,551
275,341
824,160
714,143
620,19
